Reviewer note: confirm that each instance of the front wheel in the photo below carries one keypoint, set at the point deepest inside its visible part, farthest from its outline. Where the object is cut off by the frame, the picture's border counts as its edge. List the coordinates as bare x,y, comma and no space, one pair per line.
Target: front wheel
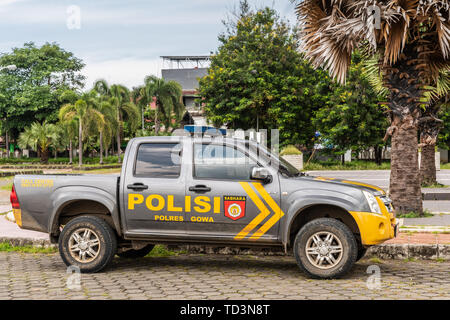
87,242
361,253
325,248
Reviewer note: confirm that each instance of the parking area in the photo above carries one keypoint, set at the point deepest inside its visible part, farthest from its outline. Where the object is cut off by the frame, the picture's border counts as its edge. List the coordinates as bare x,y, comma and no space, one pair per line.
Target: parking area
44,276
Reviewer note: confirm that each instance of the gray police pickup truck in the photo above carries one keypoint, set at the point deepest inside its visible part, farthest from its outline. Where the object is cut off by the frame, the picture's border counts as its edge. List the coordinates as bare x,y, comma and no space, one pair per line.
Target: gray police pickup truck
204,190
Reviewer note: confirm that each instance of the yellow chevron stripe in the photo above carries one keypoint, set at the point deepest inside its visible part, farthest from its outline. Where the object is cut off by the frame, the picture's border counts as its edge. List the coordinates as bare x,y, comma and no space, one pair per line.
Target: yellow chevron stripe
278,213
364,185
259,218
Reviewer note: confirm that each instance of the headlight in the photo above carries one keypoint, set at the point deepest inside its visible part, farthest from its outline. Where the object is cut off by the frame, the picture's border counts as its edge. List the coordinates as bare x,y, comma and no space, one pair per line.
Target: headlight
372,202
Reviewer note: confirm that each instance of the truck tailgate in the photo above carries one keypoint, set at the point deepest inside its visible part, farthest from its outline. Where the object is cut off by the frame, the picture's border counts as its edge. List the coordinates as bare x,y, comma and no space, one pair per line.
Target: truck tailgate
42,196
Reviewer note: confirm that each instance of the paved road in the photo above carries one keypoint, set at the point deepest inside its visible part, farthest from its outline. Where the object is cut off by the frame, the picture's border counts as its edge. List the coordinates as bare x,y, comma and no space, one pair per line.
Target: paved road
376,177
381,178
40,276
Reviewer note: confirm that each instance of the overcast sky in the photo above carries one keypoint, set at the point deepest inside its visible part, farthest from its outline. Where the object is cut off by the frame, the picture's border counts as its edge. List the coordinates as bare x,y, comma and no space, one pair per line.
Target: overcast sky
122,40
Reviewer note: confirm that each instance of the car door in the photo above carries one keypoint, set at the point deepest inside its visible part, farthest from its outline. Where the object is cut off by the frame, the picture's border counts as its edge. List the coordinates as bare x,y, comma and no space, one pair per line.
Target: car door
155,189
227,203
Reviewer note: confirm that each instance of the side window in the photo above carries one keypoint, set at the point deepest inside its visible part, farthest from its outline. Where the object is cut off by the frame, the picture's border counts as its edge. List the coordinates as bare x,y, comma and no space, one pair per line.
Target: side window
221,162
158,160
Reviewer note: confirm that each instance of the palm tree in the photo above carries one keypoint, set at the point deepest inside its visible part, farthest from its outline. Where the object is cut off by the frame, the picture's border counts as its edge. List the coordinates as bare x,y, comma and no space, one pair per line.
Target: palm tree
106,130
83,112
119,98
40,137
413,42
70,128
430,126
168,96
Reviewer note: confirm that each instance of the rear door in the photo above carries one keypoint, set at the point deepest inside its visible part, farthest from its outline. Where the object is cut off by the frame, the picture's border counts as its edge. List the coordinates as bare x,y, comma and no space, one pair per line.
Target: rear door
154,190
226,203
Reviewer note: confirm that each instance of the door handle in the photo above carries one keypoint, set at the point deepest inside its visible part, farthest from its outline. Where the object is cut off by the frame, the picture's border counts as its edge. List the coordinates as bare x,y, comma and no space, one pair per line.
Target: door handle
200,188
137,186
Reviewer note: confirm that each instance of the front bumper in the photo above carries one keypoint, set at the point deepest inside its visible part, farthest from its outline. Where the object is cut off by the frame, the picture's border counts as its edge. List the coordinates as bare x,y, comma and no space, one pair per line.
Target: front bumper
375,228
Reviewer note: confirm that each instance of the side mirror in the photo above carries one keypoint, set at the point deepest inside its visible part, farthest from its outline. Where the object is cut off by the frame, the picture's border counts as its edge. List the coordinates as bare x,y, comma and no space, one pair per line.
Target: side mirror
262,174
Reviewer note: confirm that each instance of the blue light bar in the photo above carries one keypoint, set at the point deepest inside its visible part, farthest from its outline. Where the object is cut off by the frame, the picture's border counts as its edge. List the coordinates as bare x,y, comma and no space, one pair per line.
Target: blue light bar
205,129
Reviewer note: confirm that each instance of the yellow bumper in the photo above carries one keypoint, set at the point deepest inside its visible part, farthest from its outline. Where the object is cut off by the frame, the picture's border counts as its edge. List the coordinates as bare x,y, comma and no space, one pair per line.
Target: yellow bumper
373,227
18,216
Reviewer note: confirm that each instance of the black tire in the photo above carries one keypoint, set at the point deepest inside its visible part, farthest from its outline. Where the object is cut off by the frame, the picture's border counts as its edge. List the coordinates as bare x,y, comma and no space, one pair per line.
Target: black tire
341,232
133,254
100,230
361,253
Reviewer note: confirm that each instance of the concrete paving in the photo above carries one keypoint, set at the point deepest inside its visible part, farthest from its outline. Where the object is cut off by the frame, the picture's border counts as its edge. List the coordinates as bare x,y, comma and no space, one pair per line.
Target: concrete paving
436,220
9,229
44,276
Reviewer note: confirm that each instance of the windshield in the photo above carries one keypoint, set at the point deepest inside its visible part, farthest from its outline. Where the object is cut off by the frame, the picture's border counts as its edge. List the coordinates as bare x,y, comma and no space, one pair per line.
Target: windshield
284,167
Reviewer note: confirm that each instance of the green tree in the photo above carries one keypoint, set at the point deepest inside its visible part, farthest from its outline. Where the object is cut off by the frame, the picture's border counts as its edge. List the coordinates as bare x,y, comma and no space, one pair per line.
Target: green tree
105,130
257,78
40,137
84,112
119,98
32,91
168,95
352,117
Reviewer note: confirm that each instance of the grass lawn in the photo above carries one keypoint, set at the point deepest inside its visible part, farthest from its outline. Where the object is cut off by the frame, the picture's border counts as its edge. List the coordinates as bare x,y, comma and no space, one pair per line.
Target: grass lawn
97,171
6,247
7,187
354,165
445,166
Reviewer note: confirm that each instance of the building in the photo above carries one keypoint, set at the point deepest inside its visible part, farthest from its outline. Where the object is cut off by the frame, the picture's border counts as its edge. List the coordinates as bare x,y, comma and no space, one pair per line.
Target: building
187,70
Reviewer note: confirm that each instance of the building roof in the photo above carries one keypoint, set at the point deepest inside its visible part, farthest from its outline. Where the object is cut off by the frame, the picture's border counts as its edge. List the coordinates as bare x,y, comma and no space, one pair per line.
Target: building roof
186,58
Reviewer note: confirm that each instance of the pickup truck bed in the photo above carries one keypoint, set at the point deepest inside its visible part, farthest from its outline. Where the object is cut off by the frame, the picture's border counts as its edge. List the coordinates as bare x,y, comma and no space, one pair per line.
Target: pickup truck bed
43,197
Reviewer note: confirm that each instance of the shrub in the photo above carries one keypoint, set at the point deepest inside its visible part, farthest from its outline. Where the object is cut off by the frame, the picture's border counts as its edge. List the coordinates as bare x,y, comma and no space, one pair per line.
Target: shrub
290,150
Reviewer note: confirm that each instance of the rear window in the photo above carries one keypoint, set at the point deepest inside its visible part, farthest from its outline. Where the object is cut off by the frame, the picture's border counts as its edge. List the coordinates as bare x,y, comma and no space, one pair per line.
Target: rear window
158,160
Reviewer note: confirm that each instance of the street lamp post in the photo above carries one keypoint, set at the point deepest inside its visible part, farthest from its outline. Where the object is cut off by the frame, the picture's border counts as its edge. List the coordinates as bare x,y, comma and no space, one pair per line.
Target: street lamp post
11,67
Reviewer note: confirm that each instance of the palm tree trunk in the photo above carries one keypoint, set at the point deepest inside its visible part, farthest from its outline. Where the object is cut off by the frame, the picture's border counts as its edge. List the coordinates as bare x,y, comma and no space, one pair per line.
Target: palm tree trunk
80,144
44,156
404,187
378,155
118,146
7,143
118,137
101,147
70,152
428,165
156,120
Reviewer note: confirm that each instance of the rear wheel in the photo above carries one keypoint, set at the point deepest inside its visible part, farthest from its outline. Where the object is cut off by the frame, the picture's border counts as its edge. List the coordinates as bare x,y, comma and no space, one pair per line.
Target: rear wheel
139,253
87,242
325,248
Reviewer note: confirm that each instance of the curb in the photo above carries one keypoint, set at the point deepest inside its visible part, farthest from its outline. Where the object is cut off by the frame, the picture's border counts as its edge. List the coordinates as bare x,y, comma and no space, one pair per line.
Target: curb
383,251
406,251
25,242
14,173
